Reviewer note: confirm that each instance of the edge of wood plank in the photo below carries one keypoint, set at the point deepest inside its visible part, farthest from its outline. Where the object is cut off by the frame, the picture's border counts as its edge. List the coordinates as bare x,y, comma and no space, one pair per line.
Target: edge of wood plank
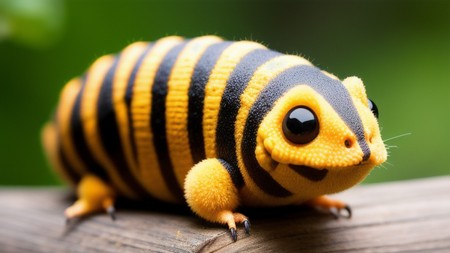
382,211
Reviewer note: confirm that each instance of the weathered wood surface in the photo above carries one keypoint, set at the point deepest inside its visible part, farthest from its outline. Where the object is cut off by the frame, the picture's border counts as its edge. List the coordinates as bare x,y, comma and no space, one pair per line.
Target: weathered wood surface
410,216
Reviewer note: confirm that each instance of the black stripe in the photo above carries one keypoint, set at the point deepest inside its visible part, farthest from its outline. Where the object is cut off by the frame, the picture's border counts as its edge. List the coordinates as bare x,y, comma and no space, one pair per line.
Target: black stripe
158,119
79,141
309,173
235,174
129,99
109,132
332,90
67,167
364,147
230,103
73,175
196,95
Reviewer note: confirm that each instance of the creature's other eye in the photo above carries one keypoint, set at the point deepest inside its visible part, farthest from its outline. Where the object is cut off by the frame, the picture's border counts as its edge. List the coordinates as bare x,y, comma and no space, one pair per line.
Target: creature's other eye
373,107
300,125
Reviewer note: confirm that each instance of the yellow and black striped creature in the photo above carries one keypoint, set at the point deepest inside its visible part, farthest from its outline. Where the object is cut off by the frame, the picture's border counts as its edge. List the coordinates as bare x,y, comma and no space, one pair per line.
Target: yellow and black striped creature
213,123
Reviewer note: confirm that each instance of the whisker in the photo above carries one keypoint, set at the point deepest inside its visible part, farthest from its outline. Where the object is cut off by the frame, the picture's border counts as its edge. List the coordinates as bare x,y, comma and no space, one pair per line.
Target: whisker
388,163
396,137
391,146
382,166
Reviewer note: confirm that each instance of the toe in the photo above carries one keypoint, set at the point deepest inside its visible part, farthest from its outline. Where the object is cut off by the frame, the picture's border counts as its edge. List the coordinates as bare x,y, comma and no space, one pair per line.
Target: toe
231,219
112,212
332,206
233,234
247,226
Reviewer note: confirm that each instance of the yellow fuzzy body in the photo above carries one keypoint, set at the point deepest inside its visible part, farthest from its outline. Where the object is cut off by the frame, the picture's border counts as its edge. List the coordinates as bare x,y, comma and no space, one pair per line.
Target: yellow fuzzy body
201,120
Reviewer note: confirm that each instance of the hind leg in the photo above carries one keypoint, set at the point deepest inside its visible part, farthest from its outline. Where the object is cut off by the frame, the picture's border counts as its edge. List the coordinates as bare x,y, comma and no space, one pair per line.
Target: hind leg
94,196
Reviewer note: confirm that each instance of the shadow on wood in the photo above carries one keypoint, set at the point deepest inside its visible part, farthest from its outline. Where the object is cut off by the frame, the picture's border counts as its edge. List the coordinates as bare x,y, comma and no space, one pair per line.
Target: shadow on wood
391,217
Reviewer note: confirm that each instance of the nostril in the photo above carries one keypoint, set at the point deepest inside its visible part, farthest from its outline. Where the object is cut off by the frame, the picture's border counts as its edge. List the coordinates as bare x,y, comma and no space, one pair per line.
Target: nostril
348,143
370,138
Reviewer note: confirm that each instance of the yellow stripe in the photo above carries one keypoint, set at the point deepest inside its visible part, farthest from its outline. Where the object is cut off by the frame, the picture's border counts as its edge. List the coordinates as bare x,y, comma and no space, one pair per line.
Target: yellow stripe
259,80
215,87
177,104
67,101
95,77
151,176
127,61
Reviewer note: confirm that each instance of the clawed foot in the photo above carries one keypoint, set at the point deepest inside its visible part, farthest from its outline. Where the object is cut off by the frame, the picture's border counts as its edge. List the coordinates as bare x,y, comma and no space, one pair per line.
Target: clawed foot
94,196
334,207
337,212
82,208
231,219
246,227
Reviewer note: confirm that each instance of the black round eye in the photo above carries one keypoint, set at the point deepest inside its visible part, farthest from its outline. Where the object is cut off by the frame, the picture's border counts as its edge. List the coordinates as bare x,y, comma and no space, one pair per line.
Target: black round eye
300,125
373,107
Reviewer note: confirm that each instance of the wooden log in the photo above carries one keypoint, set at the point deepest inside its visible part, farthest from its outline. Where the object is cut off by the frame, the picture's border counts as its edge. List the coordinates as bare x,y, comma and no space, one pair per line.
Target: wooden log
408,216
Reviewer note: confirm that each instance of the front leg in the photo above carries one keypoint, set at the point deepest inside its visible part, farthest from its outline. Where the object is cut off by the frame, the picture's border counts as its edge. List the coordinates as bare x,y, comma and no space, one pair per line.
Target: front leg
330,205
211,191
94,195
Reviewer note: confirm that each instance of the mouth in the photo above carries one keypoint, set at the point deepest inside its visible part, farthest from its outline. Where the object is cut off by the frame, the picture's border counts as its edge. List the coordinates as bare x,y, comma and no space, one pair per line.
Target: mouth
309,172
305,171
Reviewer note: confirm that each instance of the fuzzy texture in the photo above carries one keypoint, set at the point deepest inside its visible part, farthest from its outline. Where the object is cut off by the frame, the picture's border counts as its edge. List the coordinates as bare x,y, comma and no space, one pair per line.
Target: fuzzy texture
201,121
209,189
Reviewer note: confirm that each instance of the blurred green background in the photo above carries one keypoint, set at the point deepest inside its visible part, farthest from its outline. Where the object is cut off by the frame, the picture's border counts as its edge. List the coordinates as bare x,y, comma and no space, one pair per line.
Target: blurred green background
401,49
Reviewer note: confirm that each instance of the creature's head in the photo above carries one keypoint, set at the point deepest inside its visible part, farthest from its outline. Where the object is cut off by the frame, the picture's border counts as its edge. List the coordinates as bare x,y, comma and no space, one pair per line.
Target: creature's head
318,140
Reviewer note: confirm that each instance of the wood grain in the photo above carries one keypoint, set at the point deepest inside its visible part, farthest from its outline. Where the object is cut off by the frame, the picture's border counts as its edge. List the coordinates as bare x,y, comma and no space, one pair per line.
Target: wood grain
408,216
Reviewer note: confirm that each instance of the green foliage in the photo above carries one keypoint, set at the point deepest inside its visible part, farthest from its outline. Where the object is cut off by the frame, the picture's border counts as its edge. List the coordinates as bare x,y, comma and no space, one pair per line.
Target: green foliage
401,49
32,23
